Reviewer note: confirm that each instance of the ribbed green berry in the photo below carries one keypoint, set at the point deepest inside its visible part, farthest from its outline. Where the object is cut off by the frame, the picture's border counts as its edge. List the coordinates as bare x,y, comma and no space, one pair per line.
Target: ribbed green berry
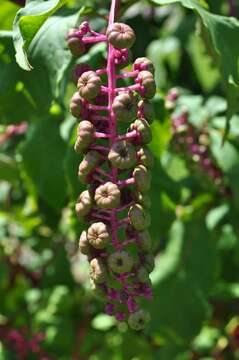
87,165
139,217
146,79
144,240
75,105
145,157
144,63
147,110
142,199
75,43
120,35
142,126
120,262
142,178
98,235
149,262
84,244
125,107
89,85
85,136
143,275
122,155
84,204
98,271
107,196
139,319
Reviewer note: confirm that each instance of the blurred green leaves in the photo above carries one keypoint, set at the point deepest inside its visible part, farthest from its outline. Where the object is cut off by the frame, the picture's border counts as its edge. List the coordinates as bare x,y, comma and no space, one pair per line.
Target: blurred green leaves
27,23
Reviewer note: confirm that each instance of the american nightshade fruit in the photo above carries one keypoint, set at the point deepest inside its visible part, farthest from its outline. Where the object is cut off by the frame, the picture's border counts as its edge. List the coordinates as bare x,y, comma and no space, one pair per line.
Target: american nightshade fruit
115,165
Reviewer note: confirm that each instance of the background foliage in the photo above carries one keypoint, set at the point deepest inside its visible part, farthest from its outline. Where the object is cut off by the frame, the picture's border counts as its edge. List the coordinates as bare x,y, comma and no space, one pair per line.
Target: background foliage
46,308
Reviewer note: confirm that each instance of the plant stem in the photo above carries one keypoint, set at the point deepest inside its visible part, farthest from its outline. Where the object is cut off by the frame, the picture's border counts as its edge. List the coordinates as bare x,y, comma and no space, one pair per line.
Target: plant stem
113,126
232,8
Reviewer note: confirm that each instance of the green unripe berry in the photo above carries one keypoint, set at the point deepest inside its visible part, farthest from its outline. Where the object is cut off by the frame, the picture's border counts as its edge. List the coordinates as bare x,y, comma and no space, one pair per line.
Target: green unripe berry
147,110
142,126
139,319
122,155
125,107
144,240
75,105
120,35
87,165
144,63
75,44
145,157
85,136
143,275
84,244
142,178
146,79
98,271
98,235
120,262
142,199
107,196
84,204
149,262
139,218
89,85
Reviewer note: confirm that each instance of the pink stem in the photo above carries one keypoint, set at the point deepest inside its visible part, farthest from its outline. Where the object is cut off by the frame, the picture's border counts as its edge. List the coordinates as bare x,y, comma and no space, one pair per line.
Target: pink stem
99,216
113,127
123,207
101,71
98,107
129,135
135,87
102,172
99,148
94,39
99,117
127,74
101,135
126,182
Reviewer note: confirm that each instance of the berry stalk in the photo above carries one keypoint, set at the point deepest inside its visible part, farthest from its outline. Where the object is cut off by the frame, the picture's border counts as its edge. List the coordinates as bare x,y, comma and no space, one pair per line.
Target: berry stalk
112,136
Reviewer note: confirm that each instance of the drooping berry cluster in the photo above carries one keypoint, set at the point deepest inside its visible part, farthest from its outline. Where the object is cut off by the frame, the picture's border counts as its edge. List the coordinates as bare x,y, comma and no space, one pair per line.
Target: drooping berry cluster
21,344
194,144
116,168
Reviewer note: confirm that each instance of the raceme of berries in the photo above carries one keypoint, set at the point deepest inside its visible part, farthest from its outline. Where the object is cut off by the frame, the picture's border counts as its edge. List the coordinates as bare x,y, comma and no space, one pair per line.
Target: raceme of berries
194,144
112,136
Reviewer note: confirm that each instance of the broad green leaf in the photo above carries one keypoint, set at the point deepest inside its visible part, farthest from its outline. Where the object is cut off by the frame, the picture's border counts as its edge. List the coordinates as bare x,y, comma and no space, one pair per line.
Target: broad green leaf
27,23
7,14
50,55
21,97
43,156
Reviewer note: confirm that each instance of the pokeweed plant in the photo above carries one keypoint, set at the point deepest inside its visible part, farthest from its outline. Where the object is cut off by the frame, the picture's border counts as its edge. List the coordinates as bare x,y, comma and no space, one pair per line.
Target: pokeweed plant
112,135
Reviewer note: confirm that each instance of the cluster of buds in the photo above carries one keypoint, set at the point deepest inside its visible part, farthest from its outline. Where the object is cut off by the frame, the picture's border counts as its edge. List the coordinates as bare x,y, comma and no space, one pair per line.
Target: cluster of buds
194,144
116,167
22,345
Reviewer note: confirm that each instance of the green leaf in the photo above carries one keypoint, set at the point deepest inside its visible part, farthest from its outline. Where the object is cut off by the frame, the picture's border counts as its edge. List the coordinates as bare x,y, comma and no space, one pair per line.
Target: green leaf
43,157
8,168
27,23
220,34
50,55
18,87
